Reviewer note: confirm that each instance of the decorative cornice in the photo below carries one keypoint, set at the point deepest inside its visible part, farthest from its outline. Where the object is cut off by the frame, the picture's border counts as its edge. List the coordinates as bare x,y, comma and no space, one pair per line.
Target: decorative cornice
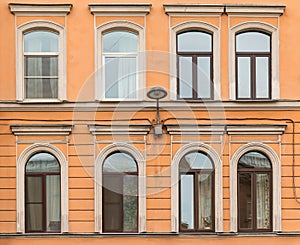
120,8
256,129
39,129
27,9
248,9
193,129
120,129
194,9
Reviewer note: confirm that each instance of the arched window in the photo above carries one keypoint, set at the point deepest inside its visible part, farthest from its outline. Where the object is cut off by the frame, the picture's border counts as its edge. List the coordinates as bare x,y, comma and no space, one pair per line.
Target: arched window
196,192
41,51
195,65
41,62
253,65
254,192
120,193
120,51
42,194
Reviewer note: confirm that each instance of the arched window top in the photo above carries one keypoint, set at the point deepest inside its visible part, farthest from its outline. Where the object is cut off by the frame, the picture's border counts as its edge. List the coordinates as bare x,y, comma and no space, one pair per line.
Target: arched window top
254,159
42,162
120,42
253,41
196,160
41,41
194,41
120,162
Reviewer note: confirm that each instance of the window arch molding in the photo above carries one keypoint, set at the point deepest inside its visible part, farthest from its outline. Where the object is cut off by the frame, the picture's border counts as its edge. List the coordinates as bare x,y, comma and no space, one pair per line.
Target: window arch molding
260,27
276,189
195,26
21,163
204,148
41,25
119,25
140,160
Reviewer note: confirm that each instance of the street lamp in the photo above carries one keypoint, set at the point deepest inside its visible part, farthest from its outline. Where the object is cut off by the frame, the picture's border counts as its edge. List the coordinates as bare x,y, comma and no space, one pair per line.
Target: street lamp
157,93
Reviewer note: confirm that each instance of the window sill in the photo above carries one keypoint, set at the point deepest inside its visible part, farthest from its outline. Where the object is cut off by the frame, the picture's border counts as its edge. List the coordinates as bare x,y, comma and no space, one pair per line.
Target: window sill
40,101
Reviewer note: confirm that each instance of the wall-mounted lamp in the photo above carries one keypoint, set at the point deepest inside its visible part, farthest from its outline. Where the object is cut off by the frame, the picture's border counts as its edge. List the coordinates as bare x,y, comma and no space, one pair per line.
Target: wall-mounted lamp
157,93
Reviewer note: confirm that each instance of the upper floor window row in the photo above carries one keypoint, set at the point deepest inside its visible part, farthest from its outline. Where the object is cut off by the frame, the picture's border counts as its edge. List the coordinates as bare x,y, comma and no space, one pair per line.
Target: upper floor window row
41,73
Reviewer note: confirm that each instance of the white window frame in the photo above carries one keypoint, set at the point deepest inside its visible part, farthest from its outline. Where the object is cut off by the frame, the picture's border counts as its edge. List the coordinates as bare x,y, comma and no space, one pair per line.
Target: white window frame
274,34
21,163
175,219
138,157
276,183
39,25
195,26
119,25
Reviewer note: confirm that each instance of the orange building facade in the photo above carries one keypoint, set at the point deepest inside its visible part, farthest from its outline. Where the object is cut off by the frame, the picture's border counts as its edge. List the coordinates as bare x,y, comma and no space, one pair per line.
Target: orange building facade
143,123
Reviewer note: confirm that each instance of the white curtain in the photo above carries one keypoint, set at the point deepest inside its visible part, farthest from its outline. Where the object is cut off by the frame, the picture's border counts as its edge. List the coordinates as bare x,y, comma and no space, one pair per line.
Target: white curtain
127,77
41,77
53,202
205,201
263,201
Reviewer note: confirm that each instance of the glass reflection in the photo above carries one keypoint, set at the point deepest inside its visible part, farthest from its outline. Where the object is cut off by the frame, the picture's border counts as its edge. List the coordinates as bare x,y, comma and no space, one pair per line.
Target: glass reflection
194,41
252,42
41,41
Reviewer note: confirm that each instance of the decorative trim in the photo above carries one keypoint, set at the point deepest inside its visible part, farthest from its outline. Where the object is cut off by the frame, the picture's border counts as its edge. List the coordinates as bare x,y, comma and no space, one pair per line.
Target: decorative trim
195,129
23,9
252,9
120,8
40,25
256,129
21,162
119,129
99,66
137,155
218,184
195,25
38,129
194,9
276,168
259,26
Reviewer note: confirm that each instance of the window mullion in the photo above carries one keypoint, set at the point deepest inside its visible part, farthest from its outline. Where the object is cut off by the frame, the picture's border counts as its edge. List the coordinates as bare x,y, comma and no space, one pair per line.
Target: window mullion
44,218
196,202
194,76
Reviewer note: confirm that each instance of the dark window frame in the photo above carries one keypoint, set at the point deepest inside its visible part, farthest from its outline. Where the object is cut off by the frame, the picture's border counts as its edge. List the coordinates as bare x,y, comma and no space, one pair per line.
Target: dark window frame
195,173
253,56
253,173
121,219
44,196
195,56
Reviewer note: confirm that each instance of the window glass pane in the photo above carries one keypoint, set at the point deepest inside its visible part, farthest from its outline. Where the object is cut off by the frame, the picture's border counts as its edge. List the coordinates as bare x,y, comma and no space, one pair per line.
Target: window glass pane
34,217
252,42
245,201
119,162
244,77
262,77
195,160
34,189
187,202
41,41
263,201
254,160
42,162
205,200
120,77
112,202
203,77
41,66
120,41
185,77
130,203
41,88
194,41
53,203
